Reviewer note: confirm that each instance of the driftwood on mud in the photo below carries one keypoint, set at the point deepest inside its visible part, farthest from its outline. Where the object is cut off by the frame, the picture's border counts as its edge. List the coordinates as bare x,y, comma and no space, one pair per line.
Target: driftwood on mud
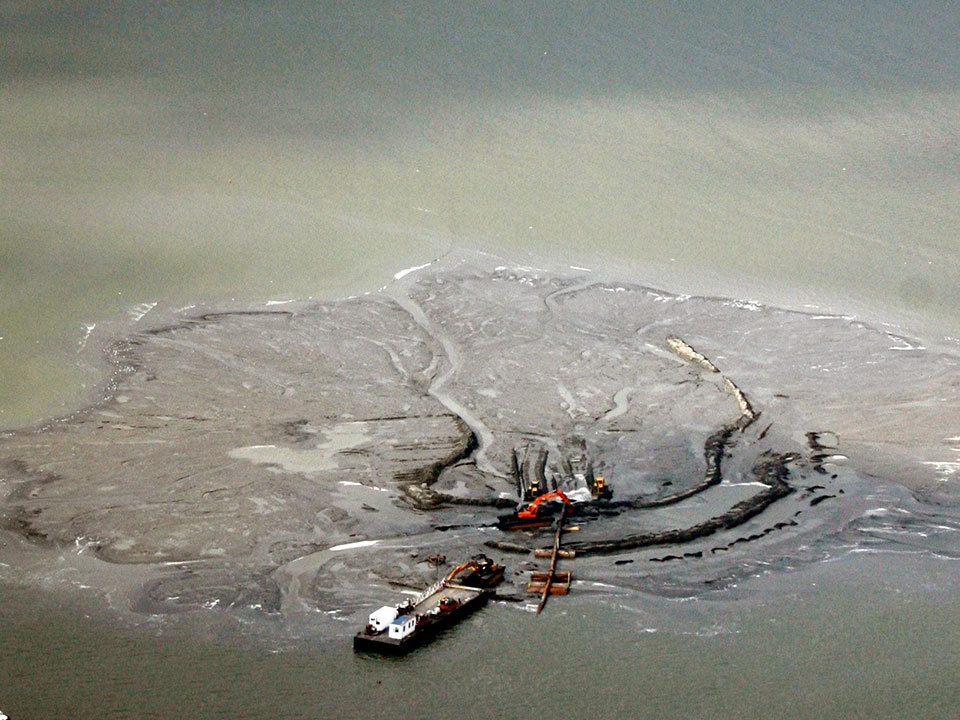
686,352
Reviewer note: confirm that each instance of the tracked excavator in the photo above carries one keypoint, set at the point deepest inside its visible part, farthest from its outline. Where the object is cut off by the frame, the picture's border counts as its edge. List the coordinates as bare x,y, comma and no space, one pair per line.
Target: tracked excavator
536,514
483,573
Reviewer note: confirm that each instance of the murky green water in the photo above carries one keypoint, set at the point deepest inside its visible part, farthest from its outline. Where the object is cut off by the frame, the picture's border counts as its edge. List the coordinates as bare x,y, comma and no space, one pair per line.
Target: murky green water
835,646
182,153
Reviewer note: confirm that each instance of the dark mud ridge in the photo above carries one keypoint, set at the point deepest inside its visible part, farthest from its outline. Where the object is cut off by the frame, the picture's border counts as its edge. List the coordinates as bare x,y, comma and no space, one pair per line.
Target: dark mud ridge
311,458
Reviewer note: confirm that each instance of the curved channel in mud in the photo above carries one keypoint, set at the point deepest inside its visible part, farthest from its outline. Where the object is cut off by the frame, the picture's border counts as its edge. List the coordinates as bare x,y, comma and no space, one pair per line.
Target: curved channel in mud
771,471
483,438
285,462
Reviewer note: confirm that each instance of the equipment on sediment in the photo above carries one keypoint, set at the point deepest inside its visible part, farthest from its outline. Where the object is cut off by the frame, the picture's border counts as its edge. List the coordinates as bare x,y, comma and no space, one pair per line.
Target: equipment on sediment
536,513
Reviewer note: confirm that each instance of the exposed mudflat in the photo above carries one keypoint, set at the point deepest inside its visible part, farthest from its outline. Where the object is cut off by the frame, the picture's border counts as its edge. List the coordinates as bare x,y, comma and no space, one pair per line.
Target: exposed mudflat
309,457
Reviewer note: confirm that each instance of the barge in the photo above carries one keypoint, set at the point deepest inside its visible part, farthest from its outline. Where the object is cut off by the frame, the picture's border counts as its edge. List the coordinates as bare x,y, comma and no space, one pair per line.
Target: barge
398,629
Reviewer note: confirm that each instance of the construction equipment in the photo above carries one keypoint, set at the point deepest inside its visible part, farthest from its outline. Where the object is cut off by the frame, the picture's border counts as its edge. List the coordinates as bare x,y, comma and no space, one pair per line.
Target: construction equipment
533,515
447,604
532,511
599,488
484,572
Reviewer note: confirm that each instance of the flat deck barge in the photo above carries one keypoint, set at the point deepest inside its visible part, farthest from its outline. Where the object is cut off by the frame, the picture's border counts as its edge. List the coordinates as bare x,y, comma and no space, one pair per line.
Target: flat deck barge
398,629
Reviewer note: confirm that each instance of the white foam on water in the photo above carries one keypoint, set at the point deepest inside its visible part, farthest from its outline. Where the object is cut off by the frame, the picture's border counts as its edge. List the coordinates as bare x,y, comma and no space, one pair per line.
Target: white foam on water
946,470
883,551
904,343
354,545
894,531
354,483
138,311
751,305
87,329
883,511
404,273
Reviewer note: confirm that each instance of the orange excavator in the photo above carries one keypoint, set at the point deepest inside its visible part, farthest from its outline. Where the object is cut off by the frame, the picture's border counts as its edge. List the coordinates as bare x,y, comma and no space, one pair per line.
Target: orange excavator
531,511
484,573
532,515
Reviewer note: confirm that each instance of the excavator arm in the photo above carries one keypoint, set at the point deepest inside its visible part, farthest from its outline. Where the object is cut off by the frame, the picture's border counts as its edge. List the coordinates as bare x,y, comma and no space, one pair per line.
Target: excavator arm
531,510
468,565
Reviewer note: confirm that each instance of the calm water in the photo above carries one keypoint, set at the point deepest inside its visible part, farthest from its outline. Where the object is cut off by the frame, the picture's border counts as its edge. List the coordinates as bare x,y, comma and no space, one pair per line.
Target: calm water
181,153
178,152
841,643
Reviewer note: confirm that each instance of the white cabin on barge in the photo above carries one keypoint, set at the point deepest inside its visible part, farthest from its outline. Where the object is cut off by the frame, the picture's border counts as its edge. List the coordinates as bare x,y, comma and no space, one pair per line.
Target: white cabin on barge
402,626
381,619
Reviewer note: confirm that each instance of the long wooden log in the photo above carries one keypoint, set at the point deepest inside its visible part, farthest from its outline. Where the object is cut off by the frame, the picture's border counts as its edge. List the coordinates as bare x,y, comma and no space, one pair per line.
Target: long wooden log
553,561
547,552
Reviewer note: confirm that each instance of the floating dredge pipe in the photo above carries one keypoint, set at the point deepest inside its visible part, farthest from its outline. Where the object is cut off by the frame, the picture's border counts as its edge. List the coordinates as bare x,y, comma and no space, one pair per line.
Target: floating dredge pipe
553,561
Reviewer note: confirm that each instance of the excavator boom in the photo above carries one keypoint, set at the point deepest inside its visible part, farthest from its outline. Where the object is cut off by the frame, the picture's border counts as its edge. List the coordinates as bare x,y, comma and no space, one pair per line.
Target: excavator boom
531,510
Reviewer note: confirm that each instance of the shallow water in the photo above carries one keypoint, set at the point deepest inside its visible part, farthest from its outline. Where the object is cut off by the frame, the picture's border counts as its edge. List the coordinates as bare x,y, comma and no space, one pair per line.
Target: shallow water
810,648
184,152
161,155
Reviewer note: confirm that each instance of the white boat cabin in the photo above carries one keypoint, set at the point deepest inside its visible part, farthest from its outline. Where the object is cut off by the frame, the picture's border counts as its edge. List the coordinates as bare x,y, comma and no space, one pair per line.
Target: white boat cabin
382,618
402,626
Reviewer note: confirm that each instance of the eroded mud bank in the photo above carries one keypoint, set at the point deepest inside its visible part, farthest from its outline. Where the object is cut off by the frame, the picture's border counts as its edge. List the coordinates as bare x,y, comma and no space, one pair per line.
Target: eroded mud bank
305,459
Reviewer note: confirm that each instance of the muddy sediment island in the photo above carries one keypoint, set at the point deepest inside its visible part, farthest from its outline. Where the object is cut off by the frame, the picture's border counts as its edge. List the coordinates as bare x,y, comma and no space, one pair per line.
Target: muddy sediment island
313,457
